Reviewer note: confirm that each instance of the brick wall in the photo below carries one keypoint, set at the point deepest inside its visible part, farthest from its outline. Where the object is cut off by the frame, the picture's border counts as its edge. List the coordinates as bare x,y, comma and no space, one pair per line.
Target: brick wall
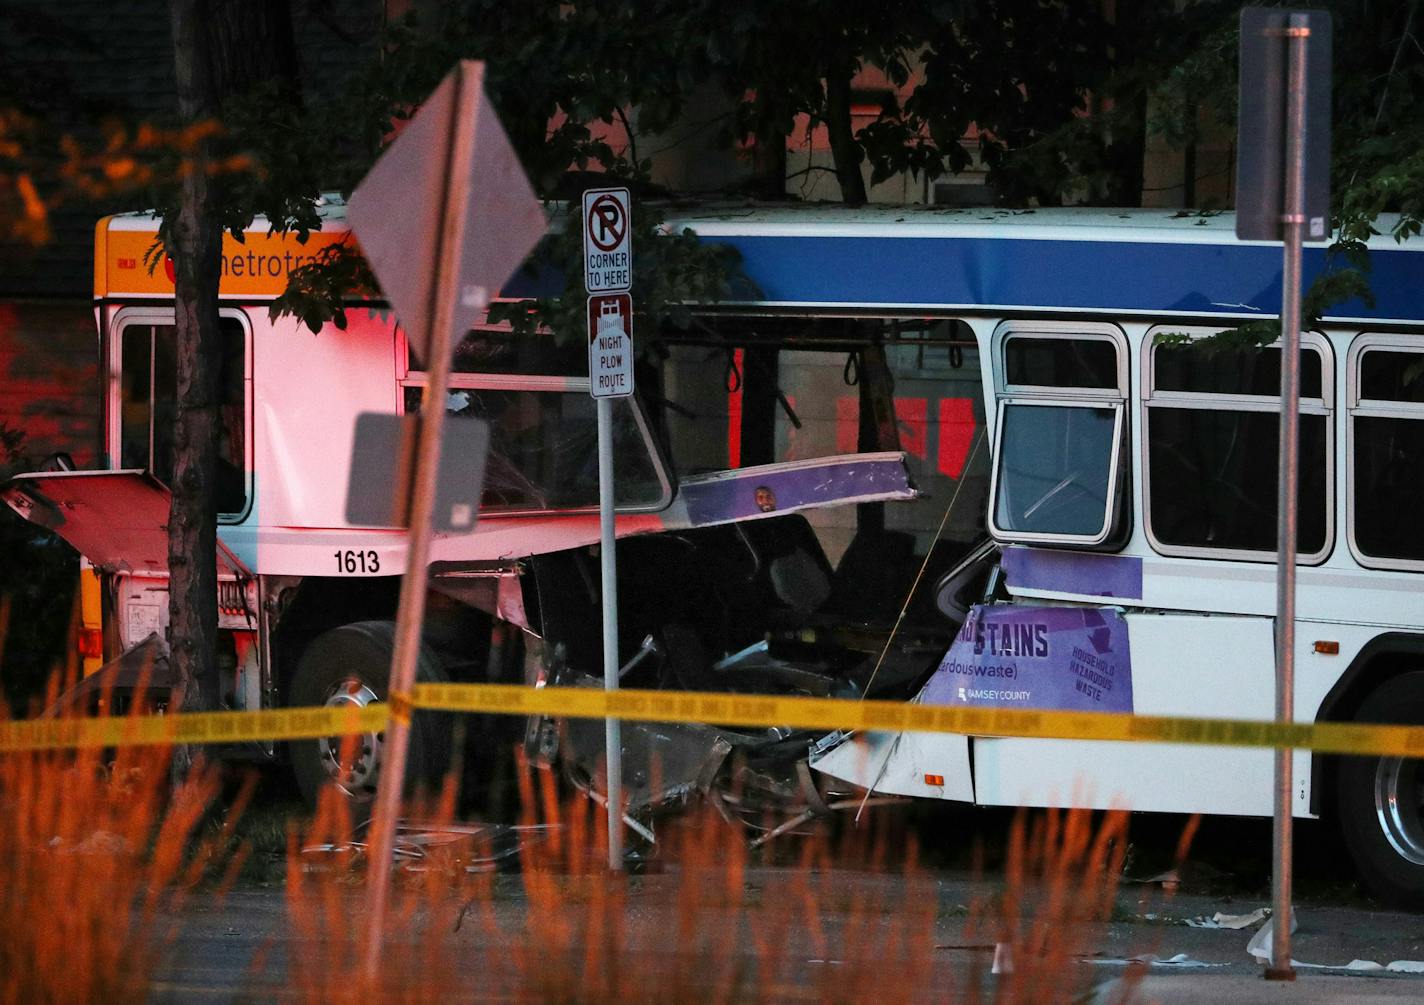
49,378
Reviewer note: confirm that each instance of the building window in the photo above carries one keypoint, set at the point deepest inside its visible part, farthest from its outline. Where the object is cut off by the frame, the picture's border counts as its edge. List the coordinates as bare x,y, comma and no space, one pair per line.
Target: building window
148,371
1386,453
1212,433
1059,471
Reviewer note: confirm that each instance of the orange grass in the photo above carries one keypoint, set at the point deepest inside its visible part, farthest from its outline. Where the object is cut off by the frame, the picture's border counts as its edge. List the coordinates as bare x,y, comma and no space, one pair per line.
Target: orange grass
1060,886
97,853
853,919
326,910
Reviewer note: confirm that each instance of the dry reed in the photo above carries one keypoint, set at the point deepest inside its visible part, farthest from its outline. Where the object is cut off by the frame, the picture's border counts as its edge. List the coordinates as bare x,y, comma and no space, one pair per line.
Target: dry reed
847,920
98,851
326,908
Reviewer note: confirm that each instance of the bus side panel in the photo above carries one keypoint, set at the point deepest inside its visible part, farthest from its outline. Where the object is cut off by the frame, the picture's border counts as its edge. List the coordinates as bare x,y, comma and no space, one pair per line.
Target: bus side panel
308,391
1184,665
929,765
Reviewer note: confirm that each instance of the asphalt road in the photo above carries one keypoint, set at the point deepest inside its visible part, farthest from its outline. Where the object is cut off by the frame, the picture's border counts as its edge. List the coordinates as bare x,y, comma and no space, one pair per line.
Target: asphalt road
815,935
243,949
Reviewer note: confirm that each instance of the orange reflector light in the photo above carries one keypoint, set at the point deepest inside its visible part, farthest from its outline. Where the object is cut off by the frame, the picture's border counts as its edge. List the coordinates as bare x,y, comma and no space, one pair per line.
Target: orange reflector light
91,643
1328,648
934,779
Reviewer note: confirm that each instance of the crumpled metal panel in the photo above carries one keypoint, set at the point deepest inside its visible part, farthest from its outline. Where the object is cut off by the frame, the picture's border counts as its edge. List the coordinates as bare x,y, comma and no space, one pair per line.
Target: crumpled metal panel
663,763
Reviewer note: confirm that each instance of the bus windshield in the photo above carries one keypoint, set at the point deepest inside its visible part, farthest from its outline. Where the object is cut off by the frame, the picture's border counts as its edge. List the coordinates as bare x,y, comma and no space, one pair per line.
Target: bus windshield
533,391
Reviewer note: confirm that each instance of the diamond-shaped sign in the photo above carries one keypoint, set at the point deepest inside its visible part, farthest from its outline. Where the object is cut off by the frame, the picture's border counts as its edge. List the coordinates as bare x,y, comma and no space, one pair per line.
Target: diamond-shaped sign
450,185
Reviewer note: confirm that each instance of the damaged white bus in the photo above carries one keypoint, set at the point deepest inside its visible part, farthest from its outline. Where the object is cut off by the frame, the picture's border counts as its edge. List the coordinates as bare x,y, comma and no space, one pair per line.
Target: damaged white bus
1132,505
714,488
947,372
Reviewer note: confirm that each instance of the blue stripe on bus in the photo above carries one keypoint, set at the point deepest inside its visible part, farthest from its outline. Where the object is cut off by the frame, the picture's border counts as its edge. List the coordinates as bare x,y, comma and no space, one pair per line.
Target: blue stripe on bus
1049,274
1039,274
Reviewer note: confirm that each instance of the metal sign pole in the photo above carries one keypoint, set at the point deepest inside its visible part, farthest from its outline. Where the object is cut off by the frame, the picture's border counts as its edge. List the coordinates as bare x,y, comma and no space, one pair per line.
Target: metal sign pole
1293,221
613,734
411,611
608,278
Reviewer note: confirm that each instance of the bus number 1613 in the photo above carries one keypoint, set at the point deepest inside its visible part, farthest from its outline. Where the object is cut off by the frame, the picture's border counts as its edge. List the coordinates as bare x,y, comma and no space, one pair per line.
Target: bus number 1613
352,562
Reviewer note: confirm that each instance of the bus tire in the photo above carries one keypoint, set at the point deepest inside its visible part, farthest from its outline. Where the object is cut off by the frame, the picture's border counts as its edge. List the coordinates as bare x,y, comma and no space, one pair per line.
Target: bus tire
1380,801
351,665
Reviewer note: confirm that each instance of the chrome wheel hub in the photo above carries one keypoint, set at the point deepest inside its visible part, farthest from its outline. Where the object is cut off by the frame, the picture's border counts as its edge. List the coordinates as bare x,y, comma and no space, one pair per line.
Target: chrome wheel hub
352,762
1399,805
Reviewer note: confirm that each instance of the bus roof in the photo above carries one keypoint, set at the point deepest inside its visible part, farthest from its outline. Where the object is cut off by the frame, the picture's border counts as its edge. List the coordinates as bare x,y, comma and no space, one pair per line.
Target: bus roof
1148,262
1058,261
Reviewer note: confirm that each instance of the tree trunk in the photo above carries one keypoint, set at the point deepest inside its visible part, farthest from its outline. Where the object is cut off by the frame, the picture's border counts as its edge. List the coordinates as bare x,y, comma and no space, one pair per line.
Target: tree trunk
221,48
252,42
769,149
845,152
195,245
1127,146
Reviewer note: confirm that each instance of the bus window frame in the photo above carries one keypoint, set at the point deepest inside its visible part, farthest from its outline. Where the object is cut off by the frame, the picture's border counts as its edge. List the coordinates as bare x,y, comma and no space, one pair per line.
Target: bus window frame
1358,406
1116,527
113,392
1214,401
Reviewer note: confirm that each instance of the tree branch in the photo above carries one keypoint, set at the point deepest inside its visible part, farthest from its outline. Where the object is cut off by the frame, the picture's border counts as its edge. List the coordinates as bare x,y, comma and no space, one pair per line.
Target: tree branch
628,131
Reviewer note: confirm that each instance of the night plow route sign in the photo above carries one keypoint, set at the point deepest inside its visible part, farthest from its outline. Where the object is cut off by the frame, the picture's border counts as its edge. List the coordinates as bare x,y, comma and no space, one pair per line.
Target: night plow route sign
610,345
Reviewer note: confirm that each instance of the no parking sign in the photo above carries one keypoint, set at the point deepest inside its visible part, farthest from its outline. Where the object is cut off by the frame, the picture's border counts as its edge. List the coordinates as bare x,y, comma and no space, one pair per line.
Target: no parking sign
608,275
607,240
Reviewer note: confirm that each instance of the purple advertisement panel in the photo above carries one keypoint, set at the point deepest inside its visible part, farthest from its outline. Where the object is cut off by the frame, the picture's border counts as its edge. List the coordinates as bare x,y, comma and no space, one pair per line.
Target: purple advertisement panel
1062,658
1073,572
763,491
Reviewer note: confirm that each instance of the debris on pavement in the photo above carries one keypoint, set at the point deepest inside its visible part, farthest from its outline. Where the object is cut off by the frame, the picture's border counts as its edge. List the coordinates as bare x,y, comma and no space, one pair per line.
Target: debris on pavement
1181,961
1233,921
1260,949
1260,945
477,847
1366,966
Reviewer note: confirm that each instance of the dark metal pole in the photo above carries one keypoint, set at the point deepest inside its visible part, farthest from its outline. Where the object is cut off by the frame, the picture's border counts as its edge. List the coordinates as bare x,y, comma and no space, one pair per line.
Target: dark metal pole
608,563
1293,219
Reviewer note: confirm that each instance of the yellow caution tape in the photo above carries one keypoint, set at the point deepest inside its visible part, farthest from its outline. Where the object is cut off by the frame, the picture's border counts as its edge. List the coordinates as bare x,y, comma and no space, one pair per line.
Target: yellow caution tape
853,714
191,727
722,709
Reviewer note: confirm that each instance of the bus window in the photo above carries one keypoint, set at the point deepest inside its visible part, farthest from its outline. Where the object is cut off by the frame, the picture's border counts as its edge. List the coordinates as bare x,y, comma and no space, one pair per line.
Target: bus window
533,391
1060,362
1059,472
494,348
1057,468
1212,431
732,391
1387,456
147,407
544,447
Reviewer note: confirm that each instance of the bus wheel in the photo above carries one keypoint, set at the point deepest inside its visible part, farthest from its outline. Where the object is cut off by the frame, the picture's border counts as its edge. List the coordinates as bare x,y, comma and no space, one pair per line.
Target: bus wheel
348,666
1381,801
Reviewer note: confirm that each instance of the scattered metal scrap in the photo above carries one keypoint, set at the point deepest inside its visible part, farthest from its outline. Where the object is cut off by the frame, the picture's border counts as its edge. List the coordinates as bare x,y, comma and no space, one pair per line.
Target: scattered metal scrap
476,847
